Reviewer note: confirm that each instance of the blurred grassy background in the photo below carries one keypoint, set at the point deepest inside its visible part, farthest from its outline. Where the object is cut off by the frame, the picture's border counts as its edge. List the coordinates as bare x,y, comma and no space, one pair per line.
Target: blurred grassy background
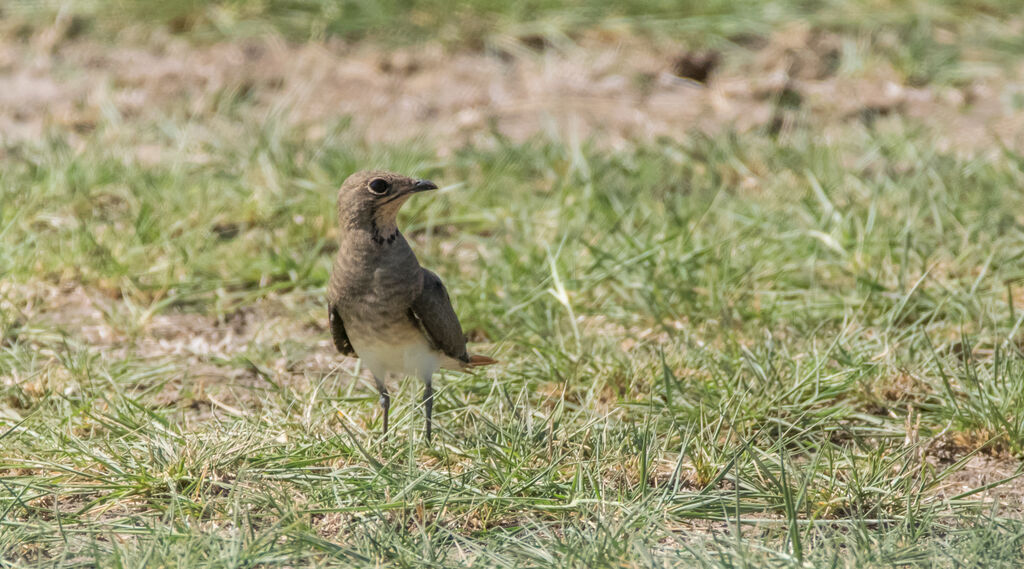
773,321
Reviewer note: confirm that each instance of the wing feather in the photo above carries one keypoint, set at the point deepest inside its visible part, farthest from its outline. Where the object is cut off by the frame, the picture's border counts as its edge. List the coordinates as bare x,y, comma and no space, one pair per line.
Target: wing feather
341,340
432,311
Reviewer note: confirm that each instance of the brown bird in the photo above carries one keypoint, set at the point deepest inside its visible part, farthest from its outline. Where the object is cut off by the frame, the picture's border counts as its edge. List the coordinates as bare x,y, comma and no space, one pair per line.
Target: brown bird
383,306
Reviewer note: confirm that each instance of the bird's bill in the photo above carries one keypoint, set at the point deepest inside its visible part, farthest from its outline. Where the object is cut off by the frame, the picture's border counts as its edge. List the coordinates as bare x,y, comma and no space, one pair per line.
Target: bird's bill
418,186
424,185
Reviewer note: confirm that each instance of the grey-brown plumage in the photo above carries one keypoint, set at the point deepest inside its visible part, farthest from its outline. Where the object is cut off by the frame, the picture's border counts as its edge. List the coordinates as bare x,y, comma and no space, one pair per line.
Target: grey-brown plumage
384,308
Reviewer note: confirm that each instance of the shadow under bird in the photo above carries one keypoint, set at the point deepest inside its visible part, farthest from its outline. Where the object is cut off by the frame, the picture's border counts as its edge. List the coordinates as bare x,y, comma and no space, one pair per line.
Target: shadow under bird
384,307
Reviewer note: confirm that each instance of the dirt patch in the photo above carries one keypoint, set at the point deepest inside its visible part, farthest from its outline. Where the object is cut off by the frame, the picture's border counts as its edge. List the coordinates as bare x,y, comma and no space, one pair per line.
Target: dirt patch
211,362
618,89
1005,476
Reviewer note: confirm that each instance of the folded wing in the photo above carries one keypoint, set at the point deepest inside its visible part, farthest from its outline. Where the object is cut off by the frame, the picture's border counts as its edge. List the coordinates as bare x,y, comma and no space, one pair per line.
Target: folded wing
341,340
434,314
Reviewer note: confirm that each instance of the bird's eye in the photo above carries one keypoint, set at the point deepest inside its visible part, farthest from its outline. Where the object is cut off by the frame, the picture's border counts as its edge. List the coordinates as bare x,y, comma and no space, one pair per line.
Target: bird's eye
379,186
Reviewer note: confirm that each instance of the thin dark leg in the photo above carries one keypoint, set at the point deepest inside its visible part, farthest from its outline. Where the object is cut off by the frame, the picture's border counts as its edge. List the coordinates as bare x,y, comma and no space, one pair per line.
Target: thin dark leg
385,404
428,405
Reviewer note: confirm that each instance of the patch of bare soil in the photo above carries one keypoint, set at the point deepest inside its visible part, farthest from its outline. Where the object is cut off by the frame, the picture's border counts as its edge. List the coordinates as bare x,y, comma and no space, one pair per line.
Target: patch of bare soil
1005,497
211,362
619,89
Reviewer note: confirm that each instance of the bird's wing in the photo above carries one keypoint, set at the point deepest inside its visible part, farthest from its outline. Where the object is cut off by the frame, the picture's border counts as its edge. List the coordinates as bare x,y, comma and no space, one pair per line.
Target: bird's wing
341,340
432,311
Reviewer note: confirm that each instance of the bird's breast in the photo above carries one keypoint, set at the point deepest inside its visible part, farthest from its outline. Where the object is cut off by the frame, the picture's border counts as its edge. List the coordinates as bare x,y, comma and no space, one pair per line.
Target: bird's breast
396,351
375,282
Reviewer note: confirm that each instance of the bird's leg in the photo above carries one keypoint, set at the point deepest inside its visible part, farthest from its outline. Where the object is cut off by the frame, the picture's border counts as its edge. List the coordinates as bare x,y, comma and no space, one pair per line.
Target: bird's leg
385,403
428,404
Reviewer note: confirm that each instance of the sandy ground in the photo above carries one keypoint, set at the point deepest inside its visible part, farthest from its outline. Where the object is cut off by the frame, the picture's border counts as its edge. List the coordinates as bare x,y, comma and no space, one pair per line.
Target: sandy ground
207,354
616,89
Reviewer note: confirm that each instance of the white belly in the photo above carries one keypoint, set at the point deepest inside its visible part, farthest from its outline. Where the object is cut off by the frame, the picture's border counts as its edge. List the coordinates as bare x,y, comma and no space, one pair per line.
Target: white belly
409,355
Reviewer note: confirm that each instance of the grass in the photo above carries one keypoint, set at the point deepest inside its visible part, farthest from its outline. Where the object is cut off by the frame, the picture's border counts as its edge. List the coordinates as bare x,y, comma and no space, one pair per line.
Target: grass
946,42
728,350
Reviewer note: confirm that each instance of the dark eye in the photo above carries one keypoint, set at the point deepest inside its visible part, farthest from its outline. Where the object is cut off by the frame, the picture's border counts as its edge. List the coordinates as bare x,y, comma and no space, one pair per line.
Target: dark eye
379,186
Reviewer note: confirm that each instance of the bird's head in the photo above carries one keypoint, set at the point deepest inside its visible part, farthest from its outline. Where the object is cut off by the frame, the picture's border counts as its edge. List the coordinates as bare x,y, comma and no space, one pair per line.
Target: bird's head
370,200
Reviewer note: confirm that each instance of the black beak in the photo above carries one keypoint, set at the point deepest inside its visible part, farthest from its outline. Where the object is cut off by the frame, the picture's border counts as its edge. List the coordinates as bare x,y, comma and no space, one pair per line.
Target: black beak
424,185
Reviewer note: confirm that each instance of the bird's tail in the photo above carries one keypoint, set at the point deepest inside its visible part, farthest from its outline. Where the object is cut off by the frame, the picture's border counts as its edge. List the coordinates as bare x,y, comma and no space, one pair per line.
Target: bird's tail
477,360
467,365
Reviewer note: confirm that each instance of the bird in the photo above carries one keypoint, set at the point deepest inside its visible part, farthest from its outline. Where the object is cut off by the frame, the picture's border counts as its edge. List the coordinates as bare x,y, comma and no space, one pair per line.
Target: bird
383,307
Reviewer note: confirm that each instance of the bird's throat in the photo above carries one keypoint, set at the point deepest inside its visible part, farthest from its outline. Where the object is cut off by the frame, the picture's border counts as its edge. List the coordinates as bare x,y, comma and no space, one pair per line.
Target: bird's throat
383,232
384,221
